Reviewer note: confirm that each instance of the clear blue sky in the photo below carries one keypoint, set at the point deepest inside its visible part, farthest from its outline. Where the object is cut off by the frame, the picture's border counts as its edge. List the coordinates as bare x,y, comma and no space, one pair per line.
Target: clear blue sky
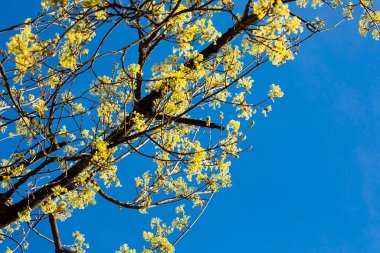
312,181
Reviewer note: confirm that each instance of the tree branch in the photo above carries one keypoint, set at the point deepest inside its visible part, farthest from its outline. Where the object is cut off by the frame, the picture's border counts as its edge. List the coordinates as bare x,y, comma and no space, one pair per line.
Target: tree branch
192,122
54,230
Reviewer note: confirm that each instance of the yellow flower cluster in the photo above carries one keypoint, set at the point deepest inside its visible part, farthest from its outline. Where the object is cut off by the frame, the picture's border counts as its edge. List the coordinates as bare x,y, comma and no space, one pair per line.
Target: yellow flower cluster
27,50
134,69
46,4
24,215
40,107
80,33
271,37
11,171
275,91
19,45
159,240
125,249
59,190
229,144
201,31
265,110
80,198
196,161
106,110
87,5
102,160
27,128
79,245
180,223
139,122
96,5
240,102
49,206
103,153
370,21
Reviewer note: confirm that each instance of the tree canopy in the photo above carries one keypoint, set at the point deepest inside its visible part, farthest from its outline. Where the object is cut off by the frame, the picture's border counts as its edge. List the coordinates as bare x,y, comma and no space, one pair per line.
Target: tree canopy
87,86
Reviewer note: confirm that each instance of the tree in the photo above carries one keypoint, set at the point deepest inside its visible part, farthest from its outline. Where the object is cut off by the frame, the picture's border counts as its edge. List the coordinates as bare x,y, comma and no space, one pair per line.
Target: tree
88,85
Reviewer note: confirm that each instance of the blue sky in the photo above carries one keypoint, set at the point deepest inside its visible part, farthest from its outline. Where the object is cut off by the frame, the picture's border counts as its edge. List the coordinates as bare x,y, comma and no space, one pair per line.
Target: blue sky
310,184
